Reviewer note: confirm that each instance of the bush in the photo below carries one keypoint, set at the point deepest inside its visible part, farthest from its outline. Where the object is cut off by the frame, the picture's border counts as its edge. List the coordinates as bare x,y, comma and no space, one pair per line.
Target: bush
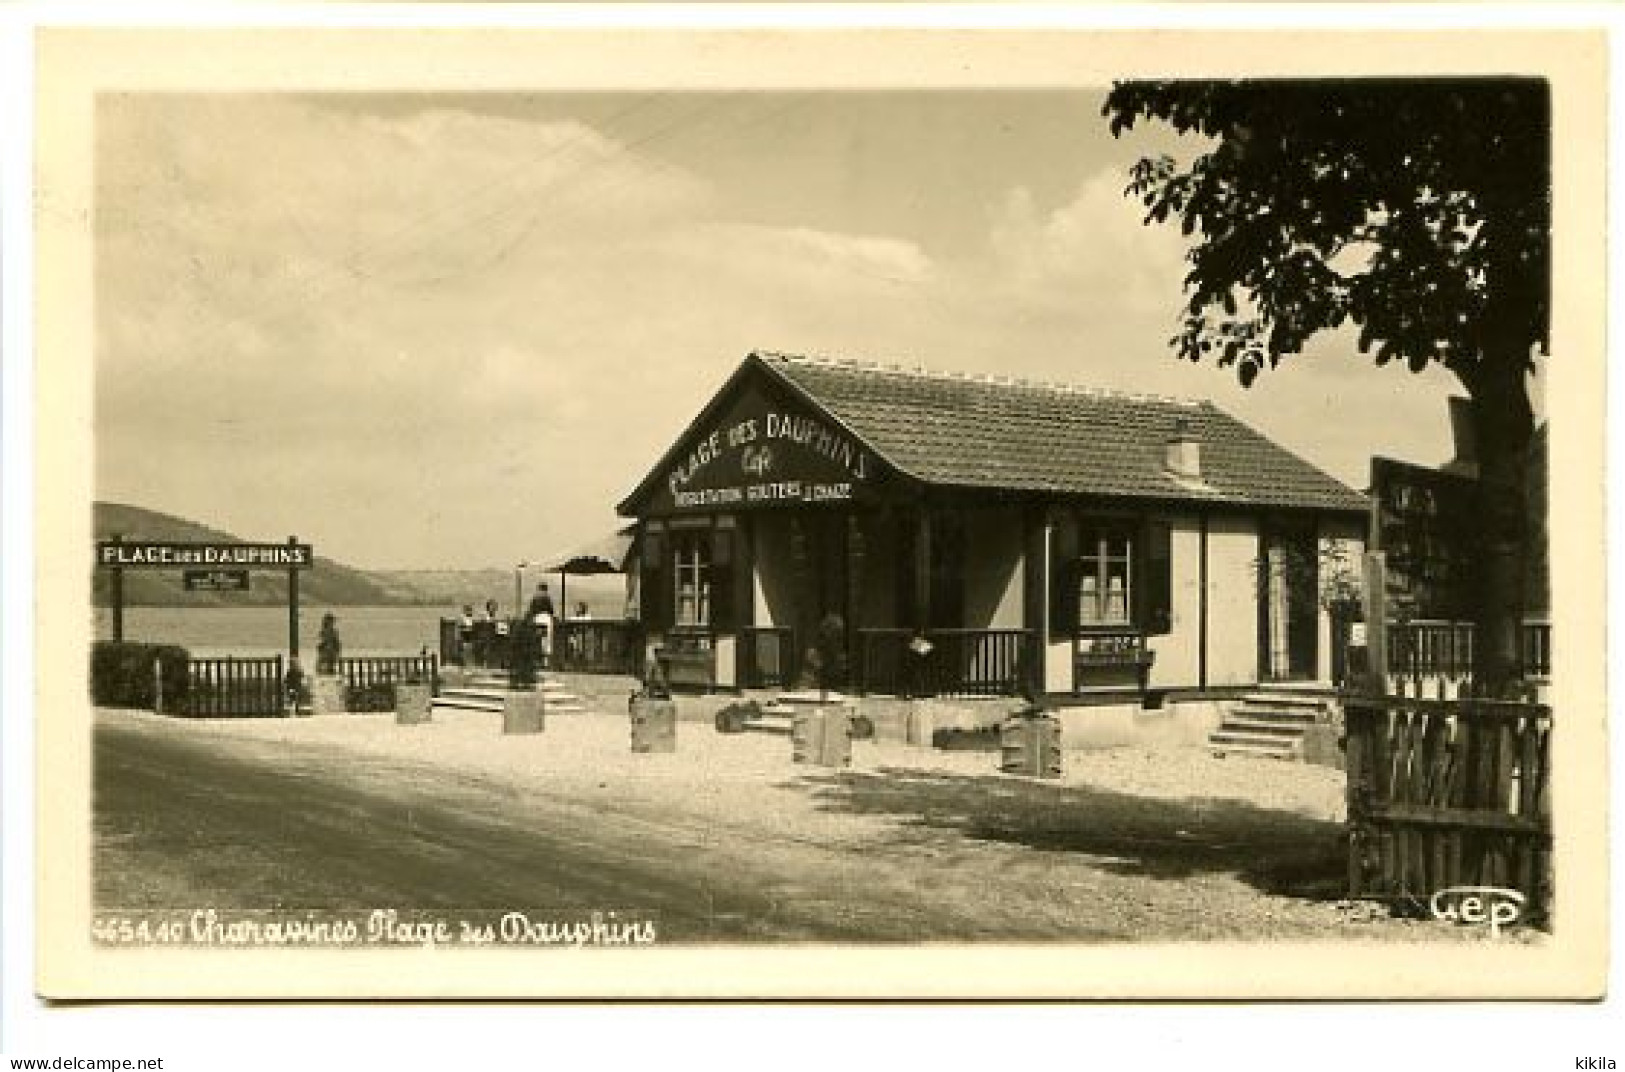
732,719
121,674
524,654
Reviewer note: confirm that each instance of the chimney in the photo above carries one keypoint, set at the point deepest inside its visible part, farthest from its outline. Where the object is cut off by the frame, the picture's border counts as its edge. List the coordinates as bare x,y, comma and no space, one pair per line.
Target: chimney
1184,452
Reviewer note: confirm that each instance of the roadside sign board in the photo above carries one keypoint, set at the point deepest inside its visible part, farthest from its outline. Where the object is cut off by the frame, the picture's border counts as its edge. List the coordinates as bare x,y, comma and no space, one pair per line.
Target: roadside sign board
1424,524
215,580
159,554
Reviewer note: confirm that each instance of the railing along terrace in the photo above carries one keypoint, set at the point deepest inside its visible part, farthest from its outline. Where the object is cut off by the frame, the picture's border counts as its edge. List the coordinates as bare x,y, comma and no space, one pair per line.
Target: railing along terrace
1427,652
949,662
1535,650
1434,656
486,645
232,687
589,646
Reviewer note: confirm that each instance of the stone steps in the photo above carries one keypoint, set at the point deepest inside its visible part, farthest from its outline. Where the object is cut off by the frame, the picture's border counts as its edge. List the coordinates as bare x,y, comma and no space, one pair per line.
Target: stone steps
771,722
1270,722
486,692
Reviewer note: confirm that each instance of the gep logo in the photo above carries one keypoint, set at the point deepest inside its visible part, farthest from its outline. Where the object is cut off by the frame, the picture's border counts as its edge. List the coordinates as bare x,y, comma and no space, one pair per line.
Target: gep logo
1478,904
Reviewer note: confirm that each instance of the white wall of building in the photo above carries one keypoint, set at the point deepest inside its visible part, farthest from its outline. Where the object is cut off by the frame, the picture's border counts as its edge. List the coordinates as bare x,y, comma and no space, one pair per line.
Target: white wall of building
1232,628
1178,662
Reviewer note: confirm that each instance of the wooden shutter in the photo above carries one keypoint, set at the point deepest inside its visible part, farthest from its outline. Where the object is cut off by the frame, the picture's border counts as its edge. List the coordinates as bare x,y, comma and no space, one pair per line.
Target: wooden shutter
1155,596
724,614
1063,596
658,607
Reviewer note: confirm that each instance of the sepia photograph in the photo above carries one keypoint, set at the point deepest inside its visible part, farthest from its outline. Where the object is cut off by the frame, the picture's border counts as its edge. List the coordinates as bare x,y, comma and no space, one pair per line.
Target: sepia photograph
819,515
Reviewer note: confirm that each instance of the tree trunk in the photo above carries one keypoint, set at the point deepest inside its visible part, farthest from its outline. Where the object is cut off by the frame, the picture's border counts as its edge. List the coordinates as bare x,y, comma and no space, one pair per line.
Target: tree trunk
1503,423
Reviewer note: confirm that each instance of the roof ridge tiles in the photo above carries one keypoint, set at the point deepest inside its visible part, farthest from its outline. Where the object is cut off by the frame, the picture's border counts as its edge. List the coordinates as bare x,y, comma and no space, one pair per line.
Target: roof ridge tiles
988,378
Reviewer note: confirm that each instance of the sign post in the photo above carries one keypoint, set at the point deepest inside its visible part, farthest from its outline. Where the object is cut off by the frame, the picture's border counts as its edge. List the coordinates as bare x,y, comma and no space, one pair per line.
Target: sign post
116,581
205,567
293,603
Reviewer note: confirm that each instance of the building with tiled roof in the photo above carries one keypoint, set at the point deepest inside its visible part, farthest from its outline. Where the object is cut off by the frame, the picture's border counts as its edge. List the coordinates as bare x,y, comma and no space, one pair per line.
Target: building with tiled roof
984,534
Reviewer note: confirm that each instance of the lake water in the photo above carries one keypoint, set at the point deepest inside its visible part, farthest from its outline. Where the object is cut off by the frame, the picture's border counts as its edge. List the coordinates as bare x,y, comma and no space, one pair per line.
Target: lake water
216,631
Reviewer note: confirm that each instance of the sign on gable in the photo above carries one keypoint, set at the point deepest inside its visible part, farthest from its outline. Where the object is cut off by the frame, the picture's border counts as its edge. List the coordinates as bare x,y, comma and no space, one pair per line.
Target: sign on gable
762,452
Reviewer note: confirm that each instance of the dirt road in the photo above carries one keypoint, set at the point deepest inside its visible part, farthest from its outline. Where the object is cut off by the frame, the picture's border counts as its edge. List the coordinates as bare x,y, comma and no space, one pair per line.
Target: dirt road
726,841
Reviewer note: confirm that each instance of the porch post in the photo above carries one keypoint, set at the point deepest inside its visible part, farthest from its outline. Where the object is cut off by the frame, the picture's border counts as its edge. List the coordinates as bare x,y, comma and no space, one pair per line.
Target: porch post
922,568
854,599
1376,621
805,614
1035,613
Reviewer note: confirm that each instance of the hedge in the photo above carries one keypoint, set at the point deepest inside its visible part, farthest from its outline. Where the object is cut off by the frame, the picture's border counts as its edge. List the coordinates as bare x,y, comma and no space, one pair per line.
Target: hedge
121,674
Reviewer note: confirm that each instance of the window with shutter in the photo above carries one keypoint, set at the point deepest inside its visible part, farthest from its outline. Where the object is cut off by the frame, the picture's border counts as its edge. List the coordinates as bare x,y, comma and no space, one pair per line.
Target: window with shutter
1110,573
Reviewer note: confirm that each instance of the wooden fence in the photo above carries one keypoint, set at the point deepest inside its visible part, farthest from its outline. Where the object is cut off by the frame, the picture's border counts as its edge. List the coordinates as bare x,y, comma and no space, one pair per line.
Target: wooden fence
1448,793
233,688
370,680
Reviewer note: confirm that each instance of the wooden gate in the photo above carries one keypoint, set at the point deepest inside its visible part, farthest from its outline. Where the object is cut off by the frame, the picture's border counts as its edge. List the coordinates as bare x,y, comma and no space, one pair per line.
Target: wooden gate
1448,793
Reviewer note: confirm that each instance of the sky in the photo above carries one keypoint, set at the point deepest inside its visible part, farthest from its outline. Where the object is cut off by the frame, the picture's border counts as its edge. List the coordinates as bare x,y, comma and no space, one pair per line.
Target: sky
454,330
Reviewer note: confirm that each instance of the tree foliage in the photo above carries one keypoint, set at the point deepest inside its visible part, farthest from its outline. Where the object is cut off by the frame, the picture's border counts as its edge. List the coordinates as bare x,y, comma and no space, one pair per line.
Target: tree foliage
1416,211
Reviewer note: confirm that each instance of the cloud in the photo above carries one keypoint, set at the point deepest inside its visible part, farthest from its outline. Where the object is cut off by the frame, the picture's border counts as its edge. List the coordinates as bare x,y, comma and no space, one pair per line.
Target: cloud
447,338
1094,247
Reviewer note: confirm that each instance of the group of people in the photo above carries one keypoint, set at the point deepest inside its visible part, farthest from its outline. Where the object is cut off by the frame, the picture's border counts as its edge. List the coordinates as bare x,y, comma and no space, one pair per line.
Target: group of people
486,638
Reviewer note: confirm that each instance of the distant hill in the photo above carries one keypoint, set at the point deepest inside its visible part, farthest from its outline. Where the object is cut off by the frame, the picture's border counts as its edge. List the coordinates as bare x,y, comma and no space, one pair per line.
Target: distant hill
605,596
327,582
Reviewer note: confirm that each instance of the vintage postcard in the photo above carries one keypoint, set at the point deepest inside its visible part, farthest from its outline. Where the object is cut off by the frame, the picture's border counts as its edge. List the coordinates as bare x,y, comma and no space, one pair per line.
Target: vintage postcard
644,511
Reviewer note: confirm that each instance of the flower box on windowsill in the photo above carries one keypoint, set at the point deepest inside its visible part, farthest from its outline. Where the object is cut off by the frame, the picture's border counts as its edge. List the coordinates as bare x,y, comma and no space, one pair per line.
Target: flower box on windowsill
1111,660
689,661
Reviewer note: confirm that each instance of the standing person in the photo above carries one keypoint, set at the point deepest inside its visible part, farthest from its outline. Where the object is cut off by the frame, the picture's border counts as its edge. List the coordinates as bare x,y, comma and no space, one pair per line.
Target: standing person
579,638
465,636
540,612
540,603
328,646
496,630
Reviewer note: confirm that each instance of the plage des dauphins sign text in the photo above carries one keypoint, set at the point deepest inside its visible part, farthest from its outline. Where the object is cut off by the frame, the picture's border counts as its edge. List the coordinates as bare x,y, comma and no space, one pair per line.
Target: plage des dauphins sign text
768,456
150,554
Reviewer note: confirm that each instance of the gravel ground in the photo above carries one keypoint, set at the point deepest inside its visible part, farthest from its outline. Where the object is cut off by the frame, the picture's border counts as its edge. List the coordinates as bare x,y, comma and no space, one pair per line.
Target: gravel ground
1129,844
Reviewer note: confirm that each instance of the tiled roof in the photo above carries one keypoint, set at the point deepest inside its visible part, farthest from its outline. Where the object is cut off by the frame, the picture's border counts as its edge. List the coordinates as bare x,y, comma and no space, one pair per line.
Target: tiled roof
993,432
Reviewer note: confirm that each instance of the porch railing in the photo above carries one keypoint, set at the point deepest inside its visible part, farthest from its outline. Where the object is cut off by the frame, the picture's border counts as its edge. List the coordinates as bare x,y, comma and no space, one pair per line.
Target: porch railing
598,647
950,662
1535,650
1428,657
